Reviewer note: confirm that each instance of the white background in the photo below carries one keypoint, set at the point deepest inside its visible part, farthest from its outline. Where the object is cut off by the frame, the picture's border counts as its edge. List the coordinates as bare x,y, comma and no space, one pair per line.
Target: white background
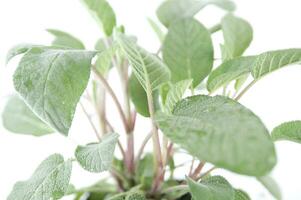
275,99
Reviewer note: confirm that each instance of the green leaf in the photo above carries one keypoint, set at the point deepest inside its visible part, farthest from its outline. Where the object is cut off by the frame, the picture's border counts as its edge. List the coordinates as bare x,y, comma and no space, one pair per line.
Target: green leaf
212,188
157,29
97,157
49,181
18,118
104,59
288,131
145,171
173,10
51,82
19,49
188,51
150,71
65,39
221,131
273,60
270,184
241,195
238,35
229,71
175,94
138,96
103,13
240,82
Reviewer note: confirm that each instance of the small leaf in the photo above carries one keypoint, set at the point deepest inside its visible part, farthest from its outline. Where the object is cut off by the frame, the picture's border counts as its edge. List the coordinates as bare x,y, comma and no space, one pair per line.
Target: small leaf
97,157
175,94
238,35
17,50
103,13
270,184
18,118
138,96
288,131
65,39
49,181
273,60
145,171
241,195
240,82
229,71
51,82
104,59
150,71
173,10
221,131
157,29
188,51
212,188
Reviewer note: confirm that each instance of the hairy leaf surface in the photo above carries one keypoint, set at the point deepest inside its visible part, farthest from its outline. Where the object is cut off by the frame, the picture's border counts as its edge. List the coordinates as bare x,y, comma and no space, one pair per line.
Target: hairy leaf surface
288,131
221,131
188,51
65,39
241,195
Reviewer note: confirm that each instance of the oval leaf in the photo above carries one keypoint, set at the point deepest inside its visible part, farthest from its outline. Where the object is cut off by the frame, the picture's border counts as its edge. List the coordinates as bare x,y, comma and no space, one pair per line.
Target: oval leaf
49,181
221,131
188,51
273,60
270,184
97,157
173,10
18,118
65,39
51,83
212,188
288,131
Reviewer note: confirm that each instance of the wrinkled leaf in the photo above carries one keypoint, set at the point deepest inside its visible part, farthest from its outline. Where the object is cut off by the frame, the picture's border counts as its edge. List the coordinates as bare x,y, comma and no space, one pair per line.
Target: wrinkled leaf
103,13
173,10
212,188
18,118
188,51
273,60
97,157
51,82
49,181
241,195
221,131
270,184
288,131
229,71
65,39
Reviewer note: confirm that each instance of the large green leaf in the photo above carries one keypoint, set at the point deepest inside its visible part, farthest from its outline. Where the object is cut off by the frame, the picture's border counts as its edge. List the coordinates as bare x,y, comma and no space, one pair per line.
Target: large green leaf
175,94
65,39
221,131
97,157
288,131
51,82
49,181
188,51
212,188
273,60
270,184
103,13
229,71
173,10
241,195
18,118
238,35
150,71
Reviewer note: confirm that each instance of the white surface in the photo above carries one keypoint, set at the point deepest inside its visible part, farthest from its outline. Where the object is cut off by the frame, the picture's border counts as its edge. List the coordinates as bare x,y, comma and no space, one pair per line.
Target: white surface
275,99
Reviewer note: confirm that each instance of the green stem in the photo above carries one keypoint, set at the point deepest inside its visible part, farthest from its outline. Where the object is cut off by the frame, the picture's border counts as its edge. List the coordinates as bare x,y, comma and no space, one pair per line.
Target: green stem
245,90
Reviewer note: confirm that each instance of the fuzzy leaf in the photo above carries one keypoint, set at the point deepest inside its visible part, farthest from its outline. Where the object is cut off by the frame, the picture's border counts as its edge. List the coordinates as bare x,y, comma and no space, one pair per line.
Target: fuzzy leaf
273,60
212,188
221,131
175,94
238,35
148,68
103,13
173,10
229,71
51,82
65,39
18,118
49,181
97,157
104,59
241,195
288,131
188,51
270,184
